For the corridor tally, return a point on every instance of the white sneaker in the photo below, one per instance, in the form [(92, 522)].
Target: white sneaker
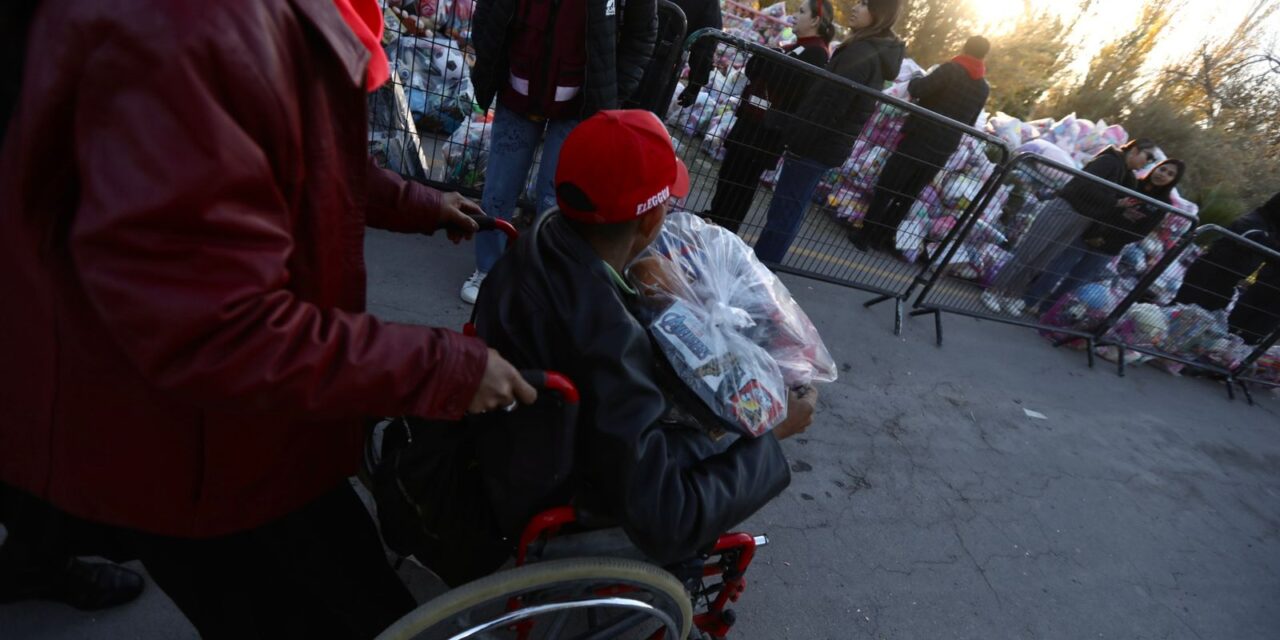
[(1015, 307), (993, 302), (471, 288)]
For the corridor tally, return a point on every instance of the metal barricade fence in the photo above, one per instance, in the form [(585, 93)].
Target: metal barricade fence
[(1070, 250), (731, 139), (1221, 320)]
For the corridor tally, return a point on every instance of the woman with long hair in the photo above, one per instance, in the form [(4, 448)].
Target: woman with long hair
[(1102, 241), (774, 92), (822, 135)]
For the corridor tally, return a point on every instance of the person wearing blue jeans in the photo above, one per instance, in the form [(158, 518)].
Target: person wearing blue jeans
[(830, 118), (548, 65), (797, 182), (515, 138), (1078, 264)]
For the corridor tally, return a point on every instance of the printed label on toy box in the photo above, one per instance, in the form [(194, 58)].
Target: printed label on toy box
[(755, 408)]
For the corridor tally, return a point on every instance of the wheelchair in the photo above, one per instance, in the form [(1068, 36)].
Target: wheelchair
[(575, 576)]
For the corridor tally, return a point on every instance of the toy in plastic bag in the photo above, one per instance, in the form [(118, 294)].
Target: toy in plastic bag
[(466, 154), (727, 325)]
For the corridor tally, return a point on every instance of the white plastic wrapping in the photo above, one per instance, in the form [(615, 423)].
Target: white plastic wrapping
[(727, 325)]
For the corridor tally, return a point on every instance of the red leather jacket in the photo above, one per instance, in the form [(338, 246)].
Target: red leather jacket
[(183, 192)]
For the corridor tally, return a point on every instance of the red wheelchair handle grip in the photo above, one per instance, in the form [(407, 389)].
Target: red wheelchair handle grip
[(487, 223), (553, 381)]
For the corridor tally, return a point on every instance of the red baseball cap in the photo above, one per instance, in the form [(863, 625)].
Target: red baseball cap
[(617, 165)]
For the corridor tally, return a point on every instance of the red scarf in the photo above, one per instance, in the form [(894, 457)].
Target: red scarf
[(977, 69), (364, 18)]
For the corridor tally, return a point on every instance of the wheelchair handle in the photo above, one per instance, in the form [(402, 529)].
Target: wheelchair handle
[(489, 223), (552, 381)]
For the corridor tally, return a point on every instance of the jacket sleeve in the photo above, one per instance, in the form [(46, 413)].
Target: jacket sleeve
[(929, 86), (396, 204), (489, 40), (672, 502), (702, 57), (181, 240), (829, 103), (635, 44)]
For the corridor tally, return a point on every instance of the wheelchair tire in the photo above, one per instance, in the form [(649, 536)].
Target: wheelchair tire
[(668, 594)]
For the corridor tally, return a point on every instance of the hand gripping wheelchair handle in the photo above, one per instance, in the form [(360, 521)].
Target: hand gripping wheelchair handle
[(555, 382), (487, 223)]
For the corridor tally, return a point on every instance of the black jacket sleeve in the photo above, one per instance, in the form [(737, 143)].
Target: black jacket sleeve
[(1097, 201), (488, 35), (635, 44), (931, 85), (702, 56), (671, 499)]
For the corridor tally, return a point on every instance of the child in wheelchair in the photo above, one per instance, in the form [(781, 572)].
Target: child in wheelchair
[(640, 451)]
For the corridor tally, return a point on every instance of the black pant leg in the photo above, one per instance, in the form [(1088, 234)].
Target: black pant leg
[(749, 151), (896, 189), (317, 572)]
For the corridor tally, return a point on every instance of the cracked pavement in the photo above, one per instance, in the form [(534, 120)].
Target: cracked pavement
[(925, 503)]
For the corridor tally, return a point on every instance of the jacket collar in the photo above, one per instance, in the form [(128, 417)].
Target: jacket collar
[(977, 69), (351, 53)]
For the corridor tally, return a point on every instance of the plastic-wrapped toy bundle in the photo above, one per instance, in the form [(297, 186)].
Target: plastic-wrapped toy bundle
[(1193, 331), (1083, 308), (1267, 368), (436, 80), (467, 151), (717, 131), (727, 325)]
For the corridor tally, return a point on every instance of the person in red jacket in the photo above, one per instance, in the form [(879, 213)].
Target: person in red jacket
[(183, 191)]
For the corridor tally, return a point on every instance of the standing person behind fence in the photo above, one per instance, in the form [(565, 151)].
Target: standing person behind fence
[(533, 56), (1211, 280), (1064, 219), (774, 92), (821, 135), (958, 90), (659, 80), (1089, 255)]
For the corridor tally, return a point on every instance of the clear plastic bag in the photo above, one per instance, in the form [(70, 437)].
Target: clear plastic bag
[(726, 323)]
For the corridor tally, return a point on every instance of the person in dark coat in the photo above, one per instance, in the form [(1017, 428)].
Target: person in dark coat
[(659, 80), (774, 92), (563, 304), (1211, 280), (548, 64), (821, 135), (1102, 241), (958, 90)]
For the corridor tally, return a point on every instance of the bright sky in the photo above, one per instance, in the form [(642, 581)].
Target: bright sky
[(1110, 18)]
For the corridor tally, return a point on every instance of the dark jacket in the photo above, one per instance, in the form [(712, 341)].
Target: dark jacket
[(661, 75), (551, 303), (1099, 201), (775, 89), (950, 91), (831, 117), (1211, 280), (1130, 224), (186, 352), (620, 37)]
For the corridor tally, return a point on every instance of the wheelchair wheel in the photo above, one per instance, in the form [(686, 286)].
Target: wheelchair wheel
[(573, 598)]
